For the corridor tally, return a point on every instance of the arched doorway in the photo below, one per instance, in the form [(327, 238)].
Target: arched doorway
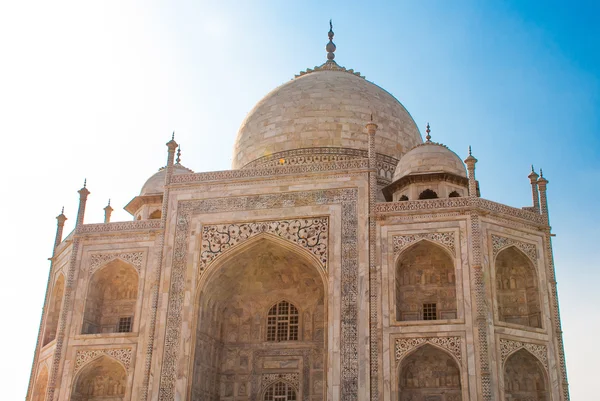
[(517, 289), (111, 299), (425, 284), (261, 315), (103, 379), (41, 384), (429, 374), (54, 309), (524, 378)]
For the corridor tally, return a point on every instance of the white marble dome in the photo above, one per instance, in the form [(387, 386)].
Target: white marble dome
[(324, 109), (156, 183), (430, 157)]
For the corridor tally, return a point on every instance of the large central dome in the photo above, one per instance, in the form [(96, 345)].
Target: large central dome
[(324, 111)]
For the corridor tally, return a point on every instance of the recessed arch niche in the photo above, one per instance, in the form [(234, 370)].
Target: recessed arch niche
[(103, 379), (425, 283), (517, 289), (56, 298), (232, 351), (111, 299), (429, 373), (524, 378)]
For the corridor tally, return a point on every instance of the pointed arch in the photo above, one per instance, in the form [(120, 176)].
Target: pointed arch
[(415, 378), (111, 298), (58, 291), (428, 194), (101, 378), (41, 384), (425, 282), (517, 288), (525, 377), (236, 292), (155, 215)]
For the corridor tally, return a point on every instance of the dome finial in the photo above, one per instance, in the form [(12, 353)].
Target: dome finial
[(330, 46), (178, 160), (428, 130), (471, 154)]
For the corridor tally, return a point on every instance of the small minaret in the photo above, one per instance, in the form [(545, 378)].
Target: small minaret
[(60, 225), (83, 194), (533, 178), (470, 162), (107, 212), (542, 182)]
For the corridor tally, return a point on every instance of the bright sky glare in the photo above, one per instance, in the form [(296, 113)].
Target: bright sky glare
[(94, 89)]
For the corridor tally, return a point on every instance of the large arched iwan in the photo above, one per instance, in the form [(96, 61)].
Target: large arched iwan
[(235, 311)]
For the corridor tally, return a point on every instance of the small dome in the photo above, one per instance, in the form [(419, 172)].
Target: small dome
[(430, 157), (156, 183), (325, 109)]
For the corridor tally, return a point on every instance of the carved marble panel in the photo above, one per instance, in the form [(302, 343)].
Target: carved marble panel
[(452, 344), (508, 347), (310, 233), (121, 354), (98, 260), (499, 243), (446, 239)]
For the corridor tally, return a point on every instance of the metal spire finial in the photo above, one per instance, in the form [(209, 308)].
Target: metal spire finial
[(470, 154), (330, 46), (108, 201), (428, 130), (541, 173), (85, 182), (173, 136), (532, 170), (178, 160), (63, 210)]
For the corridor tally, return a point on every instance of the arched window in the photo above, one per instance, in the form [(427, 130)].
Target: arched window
[(280, 391), (429, 374), (403, 198), (54, 310), (282, 322), (524, 378), (103, 379), (517, 289), (428, 194), (155, 215), (454, 194), (425, 284), (111, 299)]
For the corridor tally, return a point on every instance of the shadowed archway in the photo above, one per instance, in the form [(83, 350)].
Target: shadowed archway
[(261, 314)]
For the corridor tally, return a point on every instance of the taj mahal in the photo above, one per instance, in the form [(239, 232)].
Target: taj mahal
[(343, 257)]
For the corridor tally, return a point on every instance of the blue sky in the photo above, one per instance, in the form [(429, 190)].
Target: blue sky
[(93, 90)]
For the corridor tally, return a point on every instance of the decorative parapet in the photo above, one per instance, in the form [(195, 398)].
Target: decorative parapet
[(446, 239), (122, 355), (100, 259), (137, 225), (310, 233), (464, 202), (451, 344), (509, 347), (499, 243), (269, 171)]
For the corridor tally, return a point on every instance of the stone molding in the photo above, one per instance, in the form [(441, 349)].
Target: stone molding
[(445, 203), (98, 260), (122, 355), (329, 65), (499, 243), (270, 378), (270, 171), (347, 198), (451, 344), (445, 239), (135, 225), (509, 347), (311, 234)]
